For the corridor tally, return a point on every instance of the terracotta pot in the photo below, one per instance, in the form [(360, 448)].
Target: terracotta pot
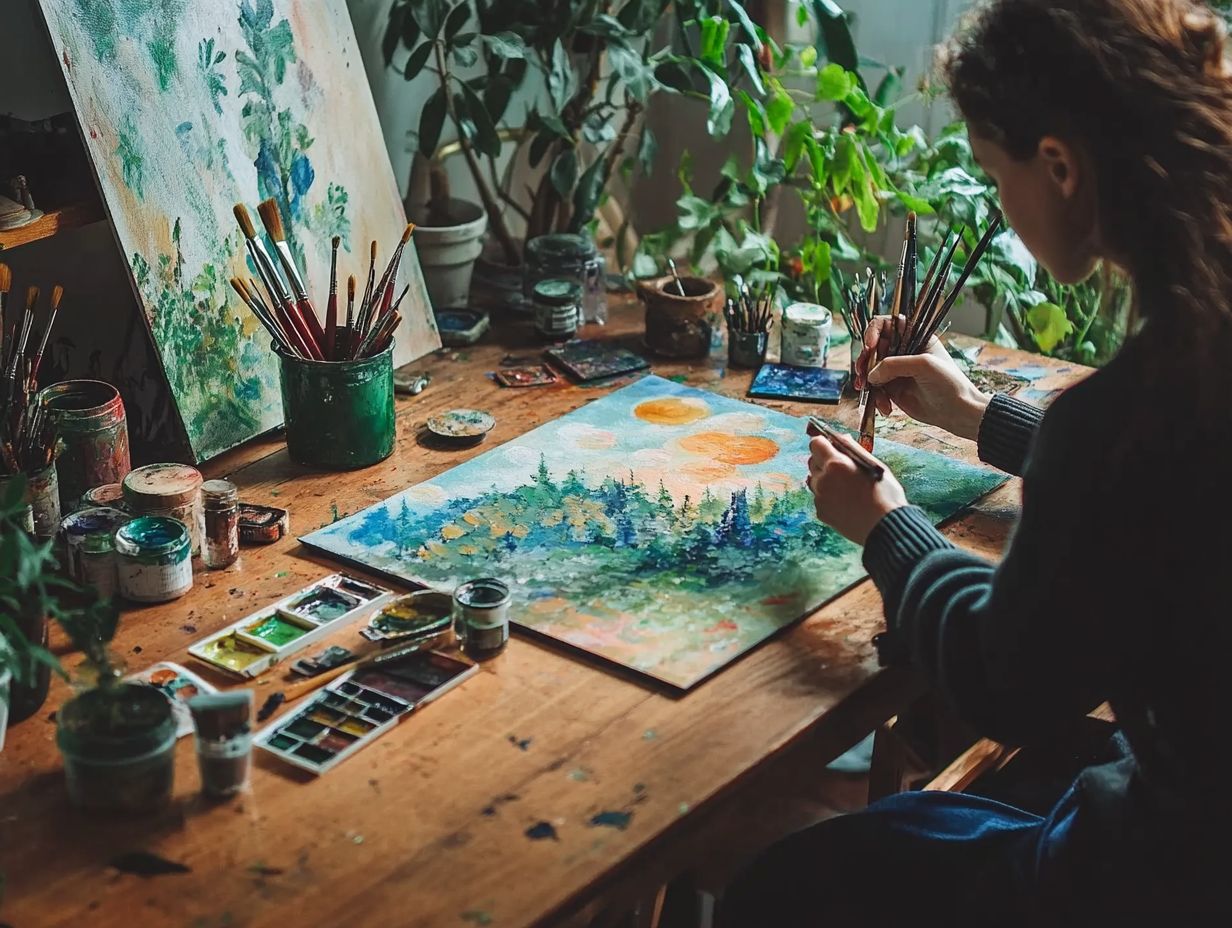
[(681, 326)]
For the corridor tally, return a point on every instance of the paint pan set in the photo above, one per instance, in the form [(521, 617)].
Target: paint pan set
[(257, 642), (357, 708)]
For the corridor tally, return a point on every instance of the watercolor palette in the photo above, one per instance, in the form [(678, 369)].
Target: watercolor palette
[(592, 359), (809, 384), (422, 614), (359, 707), (258, 641), (178, 684)]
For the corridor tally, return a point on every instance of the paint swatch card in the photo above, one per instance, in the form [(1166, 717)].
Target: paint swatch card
[(359, 707), (591, 359), (807, 384), (536, 375), (178, 684)]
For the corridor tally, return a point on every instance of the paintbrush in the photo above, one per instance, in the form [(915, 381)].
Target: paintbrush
[(280, 297), (861, 458), (671, 265), (331, 308), (382, 656), (368, 347), (367, 289), (350, 317), (6, 283), (271, 218), (57, 294), (259, 310), (368, 314), (14, 374), (391, 273), (868, 401)]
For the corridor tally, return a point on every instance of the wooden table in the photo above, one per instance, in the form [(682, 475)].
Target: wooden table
[(428, 826)]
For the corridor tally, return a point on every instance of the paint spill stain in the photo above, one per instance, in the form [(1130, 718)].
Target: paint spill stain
[(188, 629), (579, 775), (520, 743), (639, 788), (541, 831), (281, 574), (649, 734), (275, 492), (333, 512), (682, 809), (259, 869), (488, 811), (143, 863), (610, 819), (477, 917)]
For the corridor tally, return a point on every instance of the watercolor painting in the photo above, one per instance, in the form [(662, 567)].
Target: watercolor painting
[(808, 384), (592, 359), (661, 527), (189, 108)]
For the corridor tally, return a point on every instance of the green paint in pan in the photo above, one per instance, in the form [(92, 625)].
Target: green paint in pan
[(276, 630)]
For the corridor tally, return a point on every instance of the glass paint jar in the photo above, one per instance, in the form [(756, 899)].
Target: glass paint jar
[(109, 495), (806, 335), (82, 525), (93, 430), (153, 559), (221, 546), (557, 305), (481, 617), (172, 491), (44, 493), (567, 257)]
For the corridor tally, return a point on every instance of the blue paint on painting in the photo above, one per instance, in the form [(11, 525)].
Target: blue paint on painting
[(810, 384)]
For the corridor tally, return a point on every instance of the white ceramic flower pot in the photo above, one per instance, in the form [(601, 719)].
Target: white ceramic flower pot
[(447, 254)]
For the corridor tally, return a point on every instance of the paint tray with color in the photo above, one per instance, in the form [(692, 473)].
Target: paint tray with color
[(807, 384), (593, 359), (178, 684), (357, 708), (258, 641)]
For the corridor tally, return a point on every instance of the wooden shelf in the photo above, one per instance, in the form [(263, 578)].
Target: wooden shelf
[(53, 222)]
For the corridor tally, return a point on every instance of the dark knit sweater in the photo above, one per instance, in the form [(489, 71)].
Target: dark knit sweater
[(1114, 587)]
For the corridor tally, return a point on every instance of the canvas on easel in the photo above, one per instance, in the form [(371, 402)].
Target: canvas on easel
[(188, 108)]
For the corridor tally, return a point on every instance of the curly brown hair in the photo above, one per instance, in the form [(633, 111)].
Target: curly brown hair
[(1143, 87)]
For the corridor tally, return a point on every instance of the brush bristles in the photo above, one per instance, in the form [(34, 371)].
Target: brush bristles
[(271, 219), (57, 294), (336, 241), (374, 249), (406, 236), (6, 278), (245, 221), (32, 296), (238, 286), (351, 287)]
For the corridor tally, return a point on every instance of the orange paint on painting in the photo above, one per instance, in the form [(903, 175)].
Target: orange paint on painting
[(671, 411), (783, 599), (707, 471), (727, 625), (731, 449)]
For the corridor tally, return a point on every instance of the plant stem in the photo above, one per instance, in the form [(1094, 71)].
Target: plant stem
[(496, 218)]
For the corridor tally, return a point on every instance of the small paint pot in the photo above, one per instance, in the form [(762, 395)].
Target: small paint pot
[(153, 559), (684, 325), (747, 349), (805, 335), (172, 491), (558, 307), (109, 495), (462, 426), (339, 414), (481, 617), (262, 525), (81, 526), (221, 545), (93, 434)]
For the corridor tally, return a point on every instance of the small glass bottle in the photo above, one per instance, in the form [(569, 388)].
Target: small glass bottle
[(481, 617), (568, 257), (557, 308), (221, 545)]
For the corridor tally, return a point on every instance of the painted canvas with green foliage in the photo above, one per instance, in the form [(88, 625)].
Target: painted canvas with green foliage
[(189, 108), (662, 527)]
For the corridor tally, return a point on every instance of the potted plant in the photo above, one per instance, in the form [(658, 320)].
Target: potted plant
[(117, 738), (586, 71), (29, 593)]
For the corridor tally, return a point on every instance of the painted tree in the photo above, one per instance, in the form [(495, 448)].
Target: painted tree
[(404, 530)]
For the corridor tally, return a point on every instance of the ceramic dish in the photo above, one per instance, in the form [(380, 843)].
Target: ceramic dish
[(461, 423)]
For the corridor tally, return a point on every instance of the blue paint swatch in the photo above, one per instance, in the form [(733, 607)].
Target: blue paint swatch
[(809, 384)]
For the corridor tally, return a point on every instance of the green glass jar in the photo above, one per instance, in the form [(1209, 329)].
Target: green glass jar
[(568, 257), (557, 308)]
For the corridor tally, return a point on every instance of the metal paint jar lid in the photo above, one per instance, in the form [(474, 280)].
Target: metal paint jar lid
[(557, 292), (219, 495), (162, 486)]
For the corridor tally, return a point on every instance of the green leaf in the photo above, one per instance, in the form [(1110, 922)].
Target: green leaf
[(431, 121), (1049, 325), (779, 107), (606, 27), (586, 196), (637, 76), (889, 87), (647, 149), (598, 129), (465, 56), (561, 79), (748, 61), (393, 33), (755, 112), (808, 57), (834, 83), (695, 213), (802, 15), (921, 206), (714, 41), (844, 164), (486, 140), (418, 58), (539, 147), (794, 141), (456, 20), (429, 15), (505, 45), (834, 39), (752, 33), (564, 173), (818, 260), (722, 107), (496, 96)]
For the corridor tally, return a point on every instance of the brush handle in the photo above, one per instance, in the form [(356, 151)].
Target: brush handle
[(309, 314), (331, 327), (289, 317)]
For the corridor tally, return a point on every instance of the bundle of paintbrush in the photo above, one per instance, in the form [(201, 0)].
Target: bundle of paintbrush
[(862, 304), (287, 312), (917, 315), (27, 434), (750, 313)]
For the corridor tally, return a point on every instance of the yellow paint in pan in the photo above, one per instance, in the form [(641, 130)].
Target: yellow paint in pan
[(228, 651)]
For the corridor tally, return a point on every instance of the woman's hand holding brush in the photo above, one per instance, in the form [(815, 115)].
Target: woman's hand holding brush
[(929, 386)]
